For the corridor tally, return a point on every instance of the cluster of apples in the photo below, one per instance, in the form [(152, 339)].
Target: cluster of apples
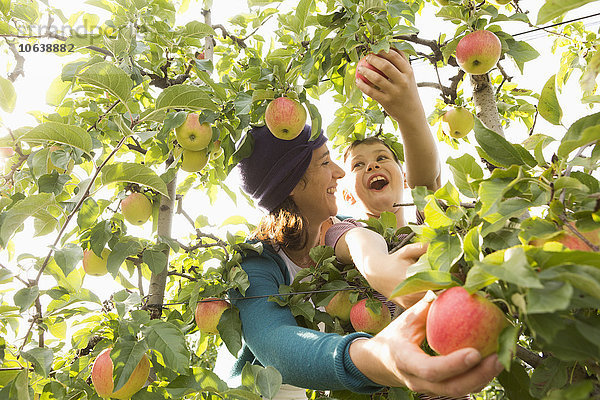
[(361, 317), (195, 139)]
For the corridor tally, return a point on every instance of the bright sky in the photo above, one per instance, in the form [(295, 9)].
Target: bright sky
[(42, 68)]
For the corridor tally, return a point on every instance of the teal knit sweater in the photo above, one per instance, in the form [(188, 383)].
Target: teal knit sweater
[(305, 358)]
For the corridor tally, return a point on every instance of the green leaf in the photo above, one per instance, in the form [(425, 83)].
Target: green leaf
[(57, 91), (25, 297), (444, 251), (68, 257), (41, 358), (135, 173), (125, 355), (230, 330), (515, 382), (70, 135), (555, 296), (577, 391), (202, 380), (435, 217), (557, 8), (197, 30), (521, 52), (8, 95), (465, 171), (582, 277), (107, 76), (155, 259), (515, 269), (583, 131), (551, 373), (507, 345), (500, 151), (316, 120), (548, 105), (119, 254), (17, 214), (186, 97), (425, 280), (477, 279), (268, 381), (169, 341)]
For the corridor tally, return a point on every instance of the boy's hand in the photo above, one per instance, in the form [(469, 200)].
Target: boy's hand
[(398, 92)]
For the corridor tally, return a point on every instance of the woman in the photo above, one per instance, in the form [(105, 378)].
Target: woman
[(295, 182)]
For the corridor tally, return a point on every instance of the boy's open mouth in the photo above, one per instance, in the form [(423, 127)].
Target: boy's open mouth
[(378, 182)]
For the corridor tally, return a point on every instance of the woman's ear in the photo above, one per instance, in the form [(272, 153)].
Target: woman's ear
[(348, 197)]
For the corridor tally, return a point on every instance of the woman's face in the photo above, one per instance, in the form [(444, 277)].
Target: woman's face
[(315, 193), (378, 179)]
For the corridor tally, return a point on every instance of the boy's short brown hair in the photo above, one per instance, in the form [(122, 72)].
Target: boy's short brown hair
[(370, 140)]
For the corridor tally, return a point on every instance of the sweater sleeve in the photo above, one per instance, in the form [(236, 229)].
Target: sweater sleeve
[(305, 358), (335, 232)]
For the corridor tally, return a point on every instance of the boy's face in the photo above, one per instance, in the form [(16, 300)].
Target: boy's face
[(378, 178)]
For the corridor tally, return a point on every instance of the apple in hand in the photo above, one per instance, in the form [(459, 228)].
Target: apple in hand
[(285, 118), (193, 161), (192, 135), (362, 63), (457, 122), (102, 377), (458, 319), (363, 319), (340, 306), (478, 52), (94, 265), (136, 209), (208, 313)]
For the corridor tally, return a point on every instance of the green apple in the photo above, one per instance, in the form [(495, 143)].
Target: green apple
[(102, 377), (478, 52), (364, 319), (94, 265), (136, 208), (208, 313), (362, 63), (192, 135), (458, 319), (457, 122), (340, 306), (285, 118), (193, 161)]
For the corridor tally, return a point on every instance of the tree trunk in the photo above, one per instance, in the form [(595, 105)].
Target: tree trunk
[(158, 282), (485, 103)]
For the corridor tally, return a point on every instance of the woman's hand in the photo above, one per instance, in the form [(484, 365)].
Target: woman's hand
[(394, 358)]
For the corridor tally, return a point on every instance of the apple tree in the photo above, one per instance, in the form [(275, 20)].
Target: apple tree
[(517, 220)]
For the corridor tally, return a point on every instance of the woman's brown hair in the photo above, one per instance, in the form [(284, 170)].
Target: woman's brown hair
[(284, 226)]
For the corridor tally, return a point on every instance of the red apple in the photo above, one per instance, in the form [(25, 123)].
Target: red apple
[(285, 118), (199, 55), (571, 241), (192, 135), (457, 122), (362, 63), (340, 306), (458, 319), (364, 319), (102, 377), (6, 152), (478, 52), (208, 313), (136, 208)]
